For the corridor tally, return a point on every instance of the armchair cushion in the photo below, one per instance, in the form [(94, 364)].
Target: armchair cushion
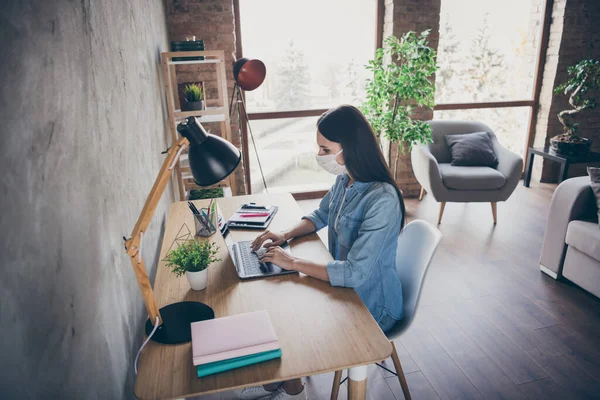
[(471, 178), (472, 149), (585, 237)]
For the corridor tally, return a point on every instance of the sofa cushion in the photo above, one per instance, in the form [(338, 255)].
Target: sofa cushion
[(594, 174), (471, 178), (585, 237)]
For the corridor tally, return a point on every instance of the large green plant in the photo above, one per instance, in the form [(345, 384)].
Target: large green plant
[(582, 88), (192, 256), (403, 73)]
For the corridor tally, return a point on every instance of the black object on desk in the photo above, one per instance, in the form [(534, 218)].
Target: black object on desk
[(564, 160)]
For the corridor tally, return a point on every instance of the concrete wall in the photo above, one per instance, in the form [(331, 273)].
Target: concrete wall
[(82, 128)]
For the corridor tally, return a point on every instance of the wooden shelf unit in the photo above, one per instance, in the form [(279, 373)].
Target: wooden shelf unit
[(217, 113)]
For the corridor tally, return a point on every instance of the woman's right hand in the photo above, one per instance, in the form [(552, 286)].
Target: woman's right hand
[(277, 239)]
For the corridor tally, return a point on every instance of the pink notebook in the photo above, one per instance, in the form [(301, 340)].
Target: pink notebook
[(230, 337)]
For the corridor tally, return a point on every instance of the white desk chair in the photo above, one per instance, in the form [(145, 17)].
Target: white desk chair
[(416, 246)]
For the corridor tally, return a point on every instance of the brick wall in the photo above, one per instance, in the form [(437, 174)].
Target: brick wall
[(213, 22), (574, 35), (402, 16)]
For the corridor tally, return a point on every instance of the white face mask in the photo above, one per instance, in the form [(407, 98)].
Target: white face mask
[(329, 164)]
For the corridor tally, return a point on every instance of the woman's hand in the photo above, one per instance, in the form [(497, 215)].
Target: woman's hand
[(276, 238), (279, 257)]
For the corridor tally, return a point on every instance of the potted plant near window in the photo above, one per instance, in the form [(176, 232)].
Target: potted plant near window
[(582, 88), (403, 73), (194, 97), (193, 259)]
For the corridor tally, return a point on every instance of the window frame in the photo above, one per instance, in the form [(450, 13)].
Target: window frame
[(533, 102)]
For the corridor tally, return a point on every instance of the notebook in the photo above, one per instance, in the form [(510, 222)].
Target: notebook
[(231, 342), (244, 218)]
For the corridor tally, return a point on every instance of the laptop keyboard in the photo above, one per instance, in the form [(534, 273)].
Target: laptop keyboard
[(250, 263)]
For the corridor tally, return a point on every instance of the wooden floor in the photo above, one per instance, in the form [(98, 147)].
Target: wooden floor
[(490, 324)]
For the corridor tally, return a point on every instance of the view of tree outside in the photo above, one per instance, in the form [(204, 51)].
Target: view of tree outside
[(487, 52), (315, 52)]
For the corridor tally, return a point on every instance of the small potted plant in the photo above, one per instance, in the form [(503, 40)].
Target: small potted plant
[(193, 259), (194, 97), (583, 86)]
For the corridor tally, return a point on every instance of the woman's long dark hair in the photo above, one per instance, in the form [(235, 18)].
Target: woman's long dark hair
[(347, 126)]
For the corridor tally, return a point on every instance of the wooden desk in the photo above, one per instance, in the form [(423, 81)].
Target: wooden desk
[(321, 328)]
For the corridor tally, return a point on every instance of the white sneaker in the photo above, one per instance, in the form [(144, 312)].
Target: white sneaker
[(281, 394), (252, 392)]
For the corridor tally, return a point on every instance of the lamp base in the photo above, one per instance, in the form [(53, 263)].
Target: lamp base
[(177, 318)]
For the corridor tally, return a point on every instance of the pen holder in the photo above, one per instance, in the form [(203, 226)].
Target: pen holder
[(205, 226)]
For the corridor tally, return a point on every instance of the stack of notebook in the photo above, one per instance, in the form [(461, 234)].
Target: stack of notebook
[(232, 342)]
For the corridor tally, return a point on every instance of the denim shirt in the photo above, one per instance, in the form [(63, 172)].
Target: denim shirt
[(364, 223)]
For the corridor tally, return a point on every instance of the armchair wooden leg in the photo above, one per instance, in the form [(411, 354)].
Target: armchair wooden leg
[(400, 373), (337, 378), (442, 206), (494, 214), (422, 193)]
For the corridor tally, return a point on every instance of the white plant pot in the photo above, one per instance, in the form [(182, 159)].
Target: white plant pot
[(197, 279)]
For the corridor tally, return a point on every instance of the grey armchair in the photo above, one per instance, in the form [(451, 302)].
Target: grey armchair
[(447, 183)]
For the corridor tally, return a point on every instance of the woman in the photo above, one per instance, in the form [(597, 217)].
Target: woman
[(365, 213)]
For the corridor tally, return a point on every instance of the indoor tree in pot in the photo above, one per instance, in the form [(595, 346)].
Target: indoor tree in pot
[(582, 88), (403, 73), (193, 258), (194, 96)]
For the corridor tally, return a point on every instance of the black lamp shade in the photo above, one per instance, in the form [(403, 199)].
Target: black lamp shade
[(211, 157)]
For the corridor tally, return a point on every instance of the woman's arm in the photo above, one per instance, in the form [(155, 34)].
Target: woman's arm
[(382, 219), (280, 257), (309, 224), (304, 227)]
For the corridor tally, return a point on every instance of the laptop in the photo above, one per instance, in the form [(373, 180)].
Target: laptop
[(248, 264)]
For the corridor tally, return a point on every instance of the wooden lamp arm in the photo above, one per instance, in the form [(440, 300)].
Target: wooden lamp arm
[(134, 243)]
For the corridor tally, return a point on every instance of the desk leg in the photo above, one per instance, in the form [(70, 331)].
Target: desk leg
[(357, 383), (564, 171), (527, 179)]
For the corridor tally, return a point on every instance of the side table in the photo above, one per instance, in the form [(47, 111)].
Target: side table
[(564, 160)]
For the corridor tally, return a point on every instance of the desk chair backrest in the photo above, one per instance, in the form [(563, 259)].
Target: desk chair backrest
[(416, 246)]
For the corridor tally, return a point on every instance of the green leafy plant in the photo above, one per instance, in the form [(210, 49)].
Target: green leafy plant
[(192, 256), (193, 92), (582, 88), (199, 194), (402, 79)]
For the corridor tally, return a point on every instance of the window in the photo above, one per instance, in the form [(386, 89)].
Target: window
[(488, 54), (314, 51), (287, 148), (487, 50)]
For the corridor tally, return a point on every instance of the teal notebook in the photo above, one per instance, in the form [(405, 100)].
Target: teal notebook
[(238, 362)]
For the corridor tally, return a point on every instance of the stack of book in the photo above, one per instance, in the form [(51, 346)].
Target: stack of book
[(190, 45), (232, 342)]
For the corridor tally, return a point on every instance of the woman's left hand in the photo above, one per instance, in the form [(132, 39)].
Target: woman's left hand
[(279, 257)]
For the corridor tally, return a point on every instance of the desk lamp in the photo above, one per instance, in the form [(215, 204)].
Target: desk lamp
[(211, 160)]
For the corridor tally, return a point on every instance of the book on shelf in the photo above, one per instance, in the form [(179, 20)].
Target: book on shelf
[(192, 45)]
